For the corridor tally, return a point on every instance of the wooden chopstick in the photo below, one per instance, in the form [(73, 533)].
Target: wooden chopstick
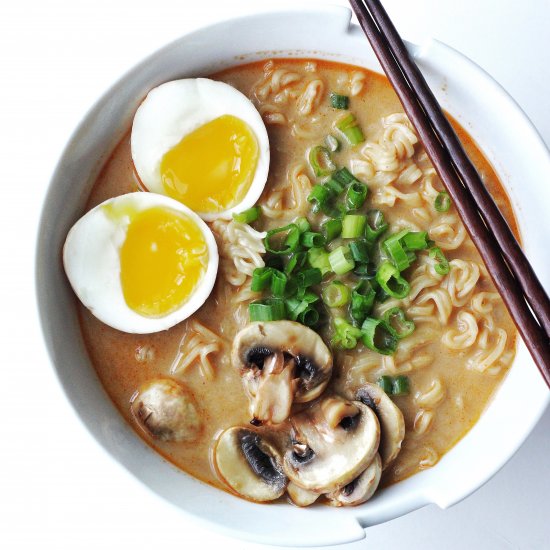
[(515, 280)]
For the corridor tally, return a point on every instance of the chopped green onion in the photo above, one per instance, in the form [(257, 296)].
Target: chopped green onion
[(296, 261), (339, 101), (365, 270), (346, 335), (391, 282), (248, 216), (442, 265), (289, 235), (332, 142), (397, 323), (386, 383), (331, 229), (400, 386), (261, 278), (308, 277), (309, 317), (310, 239), (270, 309), (278, 283), (344, 176), (319, 258), (356, 195), (334, 185), (442, 202), (320, 161), (376, 225), (377, 337), (362, 301), (336, 294), (416, 240), (340, 260), (295, 306), (349, 128), (359, 251), (395, 250), (320, 196), (302, 224), (353, 225)]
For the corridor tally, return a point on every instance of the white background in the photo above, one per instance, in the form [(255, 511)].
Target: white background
[(58, 489)]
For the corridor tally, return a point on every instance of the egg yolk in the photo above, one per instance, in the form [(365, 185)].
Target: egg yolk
[(162, 260), (212, 168)]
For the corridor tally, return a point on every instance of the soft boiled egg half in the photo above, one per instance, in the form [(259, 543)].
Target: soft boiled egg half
[(141, 262), (203, 143)]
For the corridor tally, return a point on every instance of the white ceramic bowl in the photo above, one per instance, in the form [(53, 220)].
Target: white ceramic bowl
[(483, 108)]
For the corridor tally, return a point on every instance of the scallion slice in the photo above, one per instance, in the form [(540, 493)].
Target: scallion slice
[(308, 277), (345, 334), (396, 252), (336, 294), (377, 337), (350, 129), (356, 195), (318, 257), (296, 261), (400, 386), (309, 317), (376, 225), (442, 202), (270, 309), (302, 224), (331, 229), (344, 176), (416, 240), (362, 301), (397, 323), (359, 251), (248, 216), (353, 225), (278, 283), (320, 197), (261, 279), (391, 282), (310, 239), (334, 186), (320, 161), (338, 101), (340, 260), (386, 383), (441, 263), (288, 237)]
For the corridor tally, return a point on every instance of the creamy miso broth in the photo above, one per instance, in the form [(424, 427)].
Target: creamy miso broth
[(463, 342)]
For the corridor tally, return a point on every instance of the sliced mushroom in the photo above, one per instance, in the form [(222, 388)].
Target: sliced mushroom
[(281, 362), (166, 410), (392, 423), (301, 497), (249, 464), (332, 443), (361, 488)]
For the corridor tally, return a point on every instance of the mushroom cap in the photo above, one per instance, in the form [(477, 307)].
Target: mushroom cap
[(392, 423), (166, 410), (312, 357), (249, 464), (361, 488), (333, 442), (301, 497)]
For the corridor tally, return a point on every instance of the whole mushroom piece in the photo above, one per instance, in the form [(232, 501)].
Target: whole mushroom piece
[(249, 464), (280, 362), (332, 442), (392, 423), (166, 410)]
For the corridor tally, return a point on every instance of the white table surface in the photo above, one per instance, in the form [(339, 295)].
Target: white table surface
[(58, 488)]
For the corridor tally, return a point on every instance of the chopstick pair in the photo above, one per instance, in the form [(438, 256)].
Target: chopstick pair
[(510, 270)]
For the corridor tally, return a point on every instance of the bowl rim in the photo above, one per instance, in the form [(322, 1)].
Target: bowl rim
[(416, 499)]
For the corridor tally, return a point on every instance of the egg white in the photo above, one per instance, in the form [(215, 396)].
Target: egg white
[(177, 108), (91, 257)]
